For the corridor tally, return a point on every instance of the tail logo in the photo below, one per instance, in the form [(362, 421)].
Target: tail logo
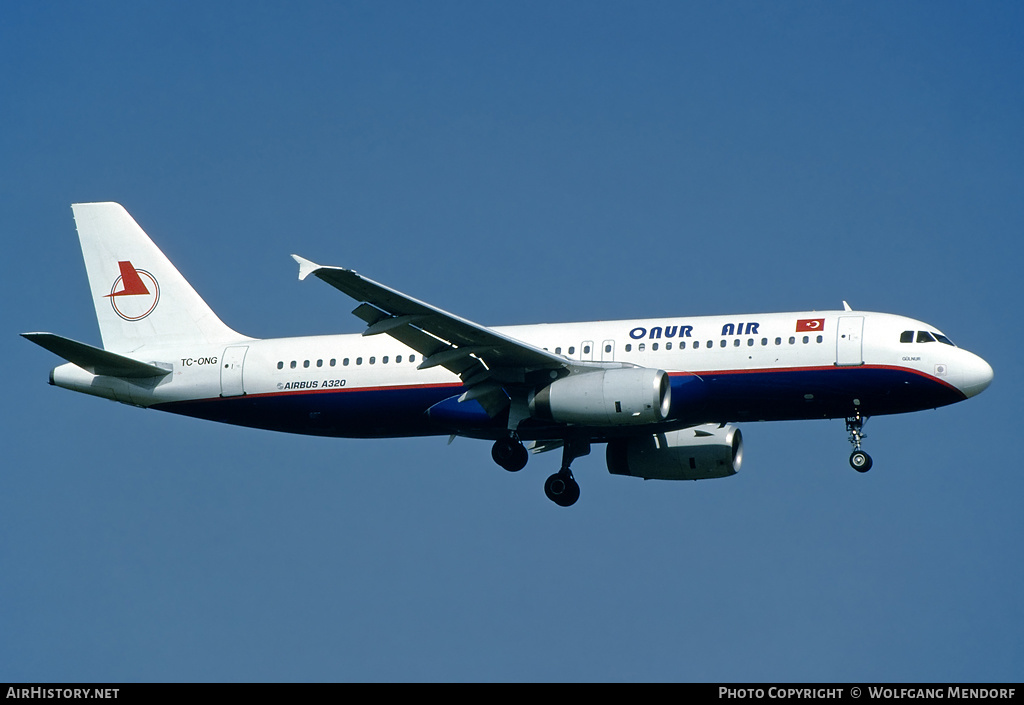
[(134, 294)]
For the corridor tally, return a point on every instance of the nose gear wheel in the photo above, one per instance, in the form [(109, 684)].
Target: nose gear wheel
[(859, 460)]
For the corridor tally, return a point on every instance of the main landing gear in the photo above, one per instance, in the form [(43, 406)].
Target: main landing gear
[(859, 460), (561, 488), (510, 453)]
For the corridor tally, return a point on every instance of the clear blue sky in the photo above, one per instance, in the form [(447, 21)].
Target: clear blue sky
[(514, 162)]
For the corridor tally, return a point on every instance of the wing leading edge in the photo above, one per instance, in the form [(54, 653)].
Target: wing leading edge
[(489, 363)]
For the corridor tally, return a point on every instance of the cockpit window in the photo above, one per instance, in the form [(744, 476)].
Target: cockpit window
[(923, 336)]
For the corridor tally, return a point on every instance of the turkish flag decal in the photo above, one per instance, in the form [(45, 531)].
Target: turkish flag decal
[(805, 324)]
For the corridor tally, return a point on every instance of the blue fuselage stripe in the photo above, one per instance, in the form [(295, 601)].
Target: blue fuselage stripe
[(707, 397)]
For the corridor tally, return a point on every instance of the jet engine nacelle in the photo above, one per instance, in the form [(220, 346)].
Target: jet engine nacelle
[(698, 453), (616, 397)]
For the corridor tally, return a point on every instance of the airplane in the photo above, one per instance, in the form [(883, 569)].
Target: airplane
[(663, 394)]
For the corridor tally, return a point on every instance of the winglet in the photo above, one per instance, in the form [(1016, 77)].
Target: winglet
[(305, 266)]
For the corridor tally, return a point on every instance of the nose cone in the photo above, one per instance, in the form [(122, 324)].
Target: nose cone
[(977, 375)]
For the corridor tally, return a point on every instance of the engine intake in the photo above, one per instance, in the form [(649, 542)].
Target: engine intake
[(617, 397), (699, 453)]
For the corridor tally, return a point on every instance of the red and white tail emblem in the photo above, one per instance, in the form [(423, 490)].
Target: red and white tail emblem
[(812, 324), (134, 294)]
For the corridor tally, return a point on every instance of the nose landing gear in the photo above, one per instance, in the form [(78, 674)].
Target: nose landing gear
[(859, 460)]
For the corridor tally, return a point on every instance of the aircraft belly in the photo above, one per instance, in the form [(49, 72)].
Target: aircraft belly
[(352, 413), (827, 392)]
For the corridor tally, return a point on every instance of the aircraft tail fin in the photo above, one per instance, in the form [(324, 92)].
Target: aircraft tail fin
[(140, 297)]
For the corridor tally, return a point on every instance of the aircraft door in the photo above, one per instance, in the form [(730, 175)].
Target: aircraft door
[(608, 351), (587, 350), (231, 384), (849, 341)]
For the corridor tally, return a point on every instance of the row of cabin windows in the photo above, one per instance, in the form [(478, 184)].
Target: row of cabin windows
[(724, 343), (923, 336), (333, 362), (641, 347)]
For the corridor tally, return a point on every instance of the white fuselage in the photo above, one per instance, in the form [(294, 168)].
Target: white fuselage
[(760, 361)]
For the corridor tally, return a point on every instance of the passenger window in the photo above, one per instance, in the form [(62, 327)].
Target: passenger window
[(654, 346), (924, 336), (806, 340), (736, 343), (792, 340), (764, 341), (907, 336), (586, 349), (821, 339), (373, 360), (280, 365), (750, 342), (398, 359), (333, 362), (668, 346), (558, 351), (359, 360), (345, 362), (384, 360), (607, 348), (293, 364), (629, 347), (696, 344), (778, 341), (572, 349), (412, 358), (641, 347), (320, 363), (305, 363), (722, 345)]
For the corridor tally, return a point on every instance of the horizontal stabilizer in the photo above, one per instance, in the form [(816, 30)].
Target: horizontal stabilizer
[(96, 360)]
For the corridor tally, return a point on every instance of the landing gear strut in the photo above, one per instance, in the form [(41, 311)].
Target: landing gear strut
[(562, 488), (859, 460), (510, 453)]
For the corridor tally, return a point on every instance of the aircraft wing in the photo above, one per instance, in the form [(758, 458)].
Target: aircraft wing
[(479, 355)]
